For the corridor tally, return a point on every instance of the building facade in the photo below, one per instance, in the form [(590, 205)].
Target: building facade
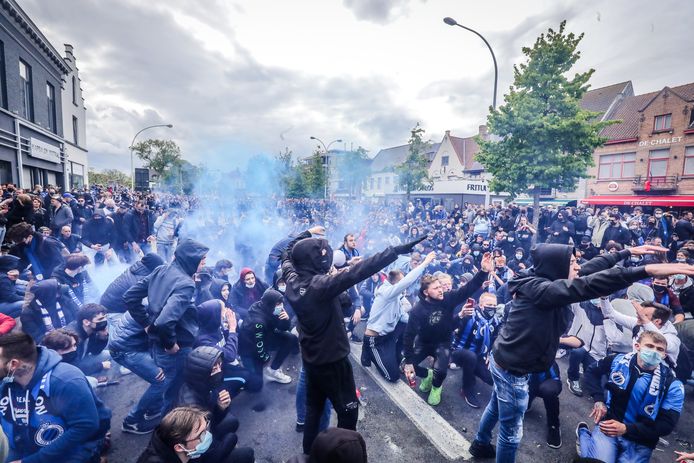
[(648, 159), (74, 124), (32, 81)]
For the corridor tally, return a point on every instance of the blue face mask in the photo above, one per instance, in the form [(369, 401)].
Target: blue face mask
[(202, 447), (650, 358), (278, 310)]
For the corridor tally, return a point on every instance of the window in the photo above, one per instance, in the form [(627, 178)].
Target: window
[(74, 90), (689, 160), (371, 183), (387, 181), (619, 165), (3, 81), (444, 161), (75, 130), (657, 162), (25, 94), (378, 183), (50, 98), (663, 122), (76, 175)]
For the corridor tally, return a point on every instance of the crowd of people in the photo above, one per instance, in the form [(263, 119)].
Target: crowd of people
[(205, 298)]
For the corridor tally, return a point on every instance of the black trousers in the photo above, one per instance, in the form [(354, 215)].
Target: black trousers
[(548, 391), (385, 352), (334, 381), (472, 366), (442, 356)]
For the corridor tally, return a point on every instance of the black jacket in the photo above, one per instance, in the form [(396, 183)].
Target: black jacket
[(49, 293), (112, 298), (99, 231), (170, 314), (132, 225), (47, 251), (618, 234), (87, 349), (529, 339), (260, 324), (314, 295)]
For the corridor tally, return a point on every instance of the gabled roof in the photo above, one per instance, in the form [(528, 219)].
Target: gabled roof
[(388, 158), (466, 149), (600, 99)]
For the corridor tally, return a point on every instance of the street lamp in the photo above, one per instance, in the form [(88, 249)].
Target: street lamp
[(453, 22), (132, 143), (325, 164)]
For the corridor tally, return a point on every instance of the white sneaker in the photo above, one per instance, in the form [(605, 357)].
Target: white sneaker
[(453, 366), (560, 353), (276, 375)]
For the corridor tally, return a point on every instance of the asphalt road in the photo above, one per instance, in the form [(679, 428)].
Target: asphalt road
[(389, 434)]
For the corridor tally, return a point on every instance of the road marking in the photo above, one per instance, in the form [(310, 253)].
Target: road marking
[(447, 440)]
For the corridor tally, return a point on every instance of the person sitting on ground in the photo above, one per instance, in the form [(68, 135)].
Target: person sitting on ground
[(267, 329), (112, 298), (71, 241), (218, 328), (641, 403), (52, 412), (92, 329), (42, 253), (73, 275), (11, 293), (49, 306), (429, 329), (477, 330), (245, 292), (203, 387)]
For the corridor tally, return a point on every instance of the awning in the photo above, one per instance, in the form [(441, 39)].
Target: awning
[(666, 201)]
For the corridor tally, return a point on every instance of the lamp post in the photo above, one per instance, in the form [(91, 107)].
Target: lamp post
[(453, 22), (325, 164), (132, 143)]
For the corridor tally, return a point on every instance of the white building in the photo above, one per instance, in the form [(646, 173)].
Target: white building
[(74, 124)]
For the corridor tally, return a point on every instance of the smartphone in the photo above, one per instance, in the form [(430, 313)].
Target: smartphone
[(470, 301)]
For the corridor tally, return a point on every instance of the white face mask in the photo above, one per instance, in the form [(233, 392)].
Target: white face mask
[(519, 256), (281, 288), (249, 286)]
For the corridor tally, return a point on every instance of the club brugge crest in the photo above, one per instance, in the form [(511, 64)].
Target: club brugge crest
[(302, 291), (649, 409), (47, 433), (618, 378)]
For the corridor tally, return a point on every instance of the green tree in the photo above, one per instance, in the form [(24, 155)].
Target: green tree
[(353, 168), (313, 175), (108, 177), (413, 173), (160, 156), (542, 137)]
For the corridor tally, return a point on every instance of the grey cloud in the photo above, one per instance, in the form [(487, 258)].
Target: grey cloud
[(378, 11)]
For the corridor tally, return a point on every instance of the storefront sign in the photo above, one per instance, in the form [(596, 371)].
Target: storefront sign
[(613, 186), (660, 141), (476, 187), (42, 150)]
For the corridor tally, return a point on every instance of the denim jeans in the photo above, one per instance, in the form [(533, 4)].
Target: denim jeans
[(507, 405), (576, 358), (142, 364), (301, 404), (172, 364), (11, 309), (611, 449)]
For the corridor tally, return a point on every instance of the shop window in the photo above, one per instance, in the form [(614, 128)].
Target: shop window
[(620, 165), (657, 162), (25, 93), (50, 98), (662, 122), (689, 160)]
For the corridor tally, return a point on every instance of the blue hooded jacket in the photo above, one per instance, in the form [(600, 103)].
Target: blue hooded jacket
[(66, 421)]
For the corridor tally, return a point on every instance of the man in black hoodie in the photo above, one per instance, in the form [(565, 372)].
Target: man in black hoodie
[(170, 318), (314, 295), (540, 314)]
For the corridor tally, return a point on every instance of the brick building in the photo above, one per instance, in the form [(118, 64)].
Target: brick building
[(648, 159)]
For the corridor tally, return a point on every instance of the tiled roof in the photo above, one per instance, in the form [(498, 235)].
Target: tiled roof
[(465, 149), (600, 99), (390, 157)]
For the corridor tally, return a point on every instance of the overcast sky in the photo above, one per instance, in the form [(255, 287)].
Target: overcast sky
[(238, 78)]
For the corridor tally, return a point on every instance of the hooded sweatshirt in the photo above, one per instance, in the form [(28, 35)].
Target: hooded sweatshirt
[(314, 295), (335, 445), (170, 314), (112, 298), (63, 413), (260, 324), (212, 332), (540, 314)]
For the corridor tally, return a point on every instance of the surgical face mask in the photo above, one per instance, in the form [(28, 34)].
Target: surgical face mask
[(489, 311), (595, 302), (635, 258), (510, 239), (278, 310), (100, 326), (476, 253), (659, 288), (681, 259), (202, 447), (7, 376), (519, 256), (250, 285), (650, 358), (281, 288)]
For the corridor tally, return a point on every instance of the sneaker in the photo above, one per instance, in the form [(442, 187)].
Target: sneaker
[(480, 450), (554, 437), (365, 357), (299, 427), (453, 366), (470, 398), (152, 416), (581, 426), (575, 387), (124, 371), (134, 427), (560, 353), (435, 396), (426, 383), (276, 375)]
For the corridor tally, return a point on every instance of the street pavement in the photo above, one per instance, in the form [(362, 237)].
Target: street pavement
[(267, 421)]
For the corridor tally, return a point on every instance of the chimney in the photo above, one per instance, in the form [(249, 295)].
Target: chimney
[(483, 131), (448, 133), (68, 49)]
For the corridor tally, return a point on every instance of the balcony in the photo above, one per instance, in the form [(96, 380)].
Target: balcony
[(656, 185)]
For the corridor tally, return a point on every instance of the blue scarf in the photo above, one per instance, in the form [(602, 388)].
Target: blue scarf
[(652, 399), (36, 267), (483, 333)]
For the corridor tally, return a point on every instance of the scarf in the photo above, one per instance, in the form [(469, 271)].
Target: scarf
[(652, 399), (479, 333), (47, 318), (36, 267)]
